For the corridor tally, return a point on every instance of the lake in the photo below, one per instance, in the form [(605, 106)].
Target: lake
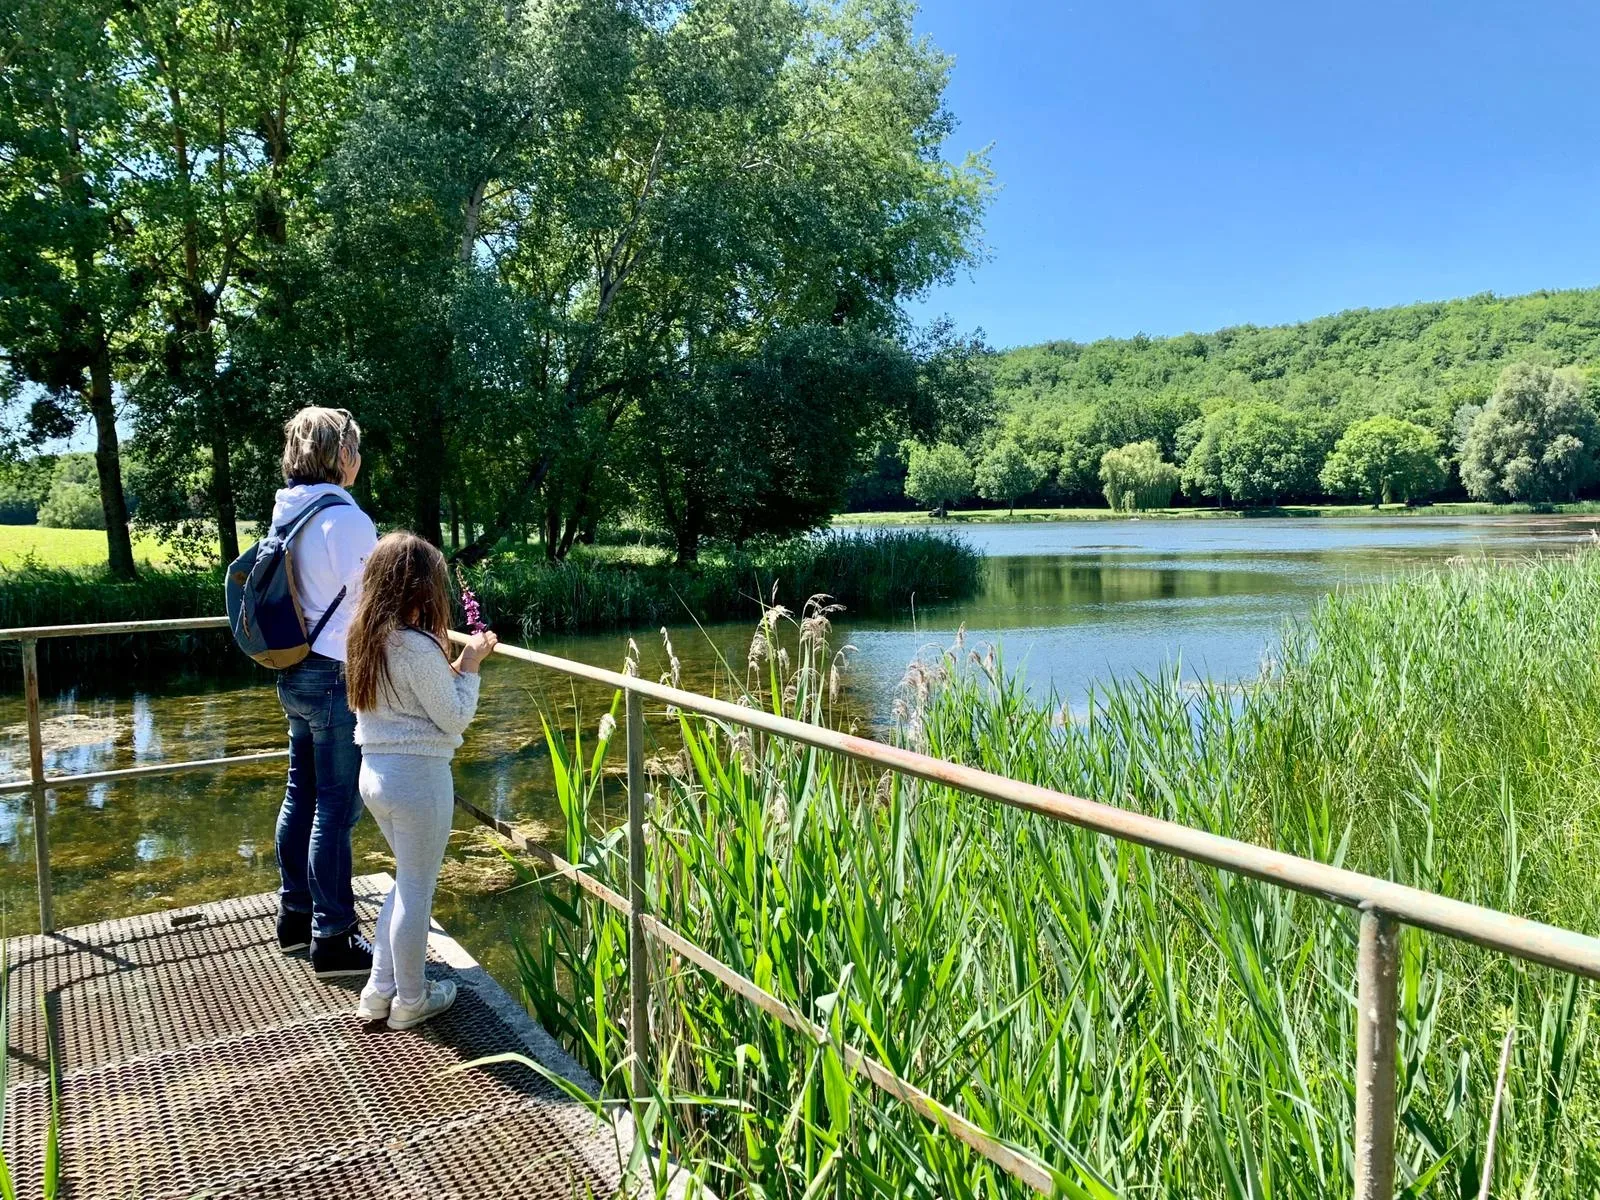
[(1069, 603)]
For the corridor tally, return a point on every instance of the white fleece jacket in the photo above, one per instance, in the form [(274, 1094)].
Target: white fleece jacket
[(329, 554), (427, 707)]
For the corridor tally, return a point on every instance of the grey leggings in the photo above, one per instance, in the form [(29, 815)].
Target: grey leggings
[(411, 797)]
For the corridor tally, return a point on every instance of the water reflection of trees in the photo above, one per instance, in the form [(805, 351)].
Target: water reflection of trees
[(1031, 583)]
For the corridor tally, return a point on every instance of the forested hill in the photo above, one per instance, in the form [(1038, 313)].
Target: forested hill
[(1252, 415), (1411, 358)]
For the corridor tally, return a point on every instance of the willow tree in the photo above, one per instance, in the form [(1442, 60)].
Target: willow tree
[(1137, 478), (1536, 440)]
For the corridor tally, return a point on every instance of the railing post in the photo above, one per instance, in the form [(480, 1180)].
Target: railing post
[(638, 954), (41, 806), (1377, 970)]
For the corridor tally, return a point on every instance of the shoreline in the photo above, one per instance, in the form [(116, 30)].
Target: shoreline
[(1303, 512)]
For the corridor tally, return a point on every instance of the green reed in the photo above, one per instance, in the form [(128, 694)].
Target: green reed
[(39, 595), (1144, 1026), (879, 572), (883, 572)]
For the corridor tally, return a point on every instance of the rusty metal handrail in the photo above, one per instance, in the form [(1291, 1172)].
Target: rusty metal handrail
[(32, 633), (1384, 905), (39, 783), (1576, 953)]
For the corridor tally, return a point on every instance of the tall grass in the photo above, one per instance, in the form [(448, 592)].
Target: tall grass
[(881, 572), (40, 595), (1143, 1026)]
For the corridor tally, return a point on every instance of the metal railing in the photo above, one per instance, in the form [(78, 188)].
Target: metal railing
[(38, 783), (1384, 906)]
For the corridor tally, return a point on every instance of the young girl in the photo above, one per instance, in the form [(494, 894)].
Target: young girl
[(411, 704)]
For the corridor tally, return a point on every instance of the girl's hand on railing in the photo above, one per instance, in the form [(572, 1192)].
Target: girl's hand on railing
[(475, 651)]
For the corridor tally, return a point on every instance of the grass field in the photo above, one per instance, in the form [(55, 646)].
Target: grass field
[(66, 547), (991, 516)]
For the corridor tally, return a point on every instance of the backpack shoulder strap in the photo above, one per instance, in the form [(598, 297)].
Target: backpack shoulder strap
[(287, 532), (322, 621)]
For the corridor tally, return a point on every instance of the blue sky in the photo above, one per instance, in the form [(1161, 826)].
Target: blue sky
[(1168, 167)]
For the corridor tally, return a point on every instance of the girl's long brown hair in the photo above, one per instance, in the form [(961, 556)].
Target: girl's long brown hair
[(405, 586)]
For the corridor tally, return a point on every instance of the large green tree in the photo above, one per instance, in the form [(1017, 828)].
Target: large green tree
[(155, 151), (510, 237), (1384, 459), (1005, 472), (753, 446), (1535, 440), (1251, 454), (234, 105), (739, 170), (68, 294), (938, 475)]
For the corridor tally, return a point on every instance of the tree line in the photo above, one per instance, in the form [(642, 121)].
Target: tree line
[(562, 259), (1488, 398)]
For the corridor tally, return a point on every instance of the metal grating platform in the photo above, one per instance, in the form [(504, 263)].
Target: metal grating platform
[(195, 1060)]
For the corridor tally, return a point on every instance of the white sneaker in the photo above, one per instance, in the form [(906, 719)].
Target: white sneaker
[(441, 994), (374, 1004)]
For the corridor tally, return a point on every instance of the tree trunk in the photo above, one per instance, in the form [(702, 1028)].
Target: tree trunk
[(222, 496), (686, 533), (427, 514), (107, 451), (687, 539), (552, 527), (580, 519), (455, 526), (108, 463)]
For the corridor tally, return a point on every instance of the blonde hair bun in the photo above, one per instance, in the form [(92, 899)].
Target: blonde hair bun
[(314, 442)]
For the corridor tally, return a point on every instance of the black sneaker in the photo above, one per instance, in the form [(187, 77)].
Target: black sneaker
[(294, 930), (347, 954)]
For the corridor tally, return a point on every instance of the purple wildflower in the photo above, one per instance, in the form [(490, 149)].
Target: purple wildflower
[(469, 605)]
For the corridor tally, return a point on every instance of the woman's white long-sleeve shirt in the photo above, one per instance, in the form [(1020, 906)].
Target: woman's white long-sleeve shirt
[(427, 705)]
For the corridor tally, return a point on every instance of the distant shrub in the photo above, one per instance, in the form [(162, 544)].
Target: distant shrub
[(17, 508), (881, 572), (24, 484), (72, 506), (74, 498)]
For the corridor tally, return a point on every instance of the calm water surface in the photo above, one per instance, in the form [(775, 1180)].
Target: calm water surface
[(1069, 603)]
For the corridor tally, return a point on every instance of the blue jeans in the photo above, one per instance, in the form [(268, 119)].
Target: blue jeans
[(322, 803)]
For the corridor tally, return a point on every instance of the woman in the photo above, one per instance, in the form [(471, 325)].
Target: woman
[(321, 458), (412, 705)]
